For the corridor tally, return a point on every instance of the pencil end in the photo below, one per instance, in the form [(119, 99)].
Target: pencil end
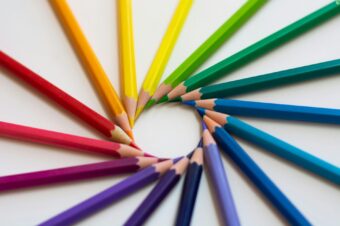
[(163, 99), (191, 103), (200, 111), (150, 103), (177, 99)]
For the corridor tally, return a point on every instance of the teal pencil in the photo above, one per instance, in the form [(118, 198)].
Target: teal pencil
[(265, 81), (255, 50)]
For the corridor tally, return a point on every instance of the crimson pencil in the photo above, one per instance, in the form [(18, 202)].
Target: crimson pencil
[(110, 195), (38, 178), (63, 99), (67, 140)]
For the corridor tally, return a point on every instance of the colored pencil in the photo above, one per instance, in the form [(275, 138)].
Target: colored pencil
[(207, 48), (127, 58), (219, 179), (158, 193), (163, 54), (255, 50), (46, 177), (190, 188), (68, 141), (66, 101), (276, 146), (91, 63), (265, 81), (255, 174), (110, 195), (270, 110)]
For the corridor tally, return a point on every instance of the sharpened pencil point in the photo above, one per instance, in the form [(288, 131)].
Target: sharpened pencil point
[(201, 111), (204, 127), (150, 103), (138, 112), (190, 103), (177, 99), (163, 100)]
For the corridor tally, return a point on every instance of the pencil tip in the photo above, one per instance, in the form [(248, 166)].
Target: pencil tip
[(129, 132), (150, 103), (163, 99), (201, 111), (176, 99), (190, 103), (139, 111), (132, 123), (204, 127)]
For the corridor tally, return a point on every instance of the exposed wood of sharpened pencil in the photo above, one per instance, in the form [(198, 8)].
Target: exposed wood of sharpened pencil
[(67, 174), (110, 195), (63, 99), (91, 63), (255, 174)]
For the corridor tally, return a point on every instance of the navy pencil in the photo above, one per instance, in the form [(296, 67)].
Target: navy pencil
[(190, 188)]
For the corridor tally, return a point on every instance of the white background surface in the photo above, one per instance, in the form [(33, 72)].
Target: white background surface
[(30, 32)]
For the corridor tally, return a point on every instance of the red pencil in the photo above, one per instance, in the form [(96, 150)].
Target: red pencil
[(67, 140), (68, 102)]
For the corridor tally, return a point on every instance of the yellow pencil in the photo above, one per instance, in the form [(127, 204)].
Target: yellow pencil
[(127, 58), (91, 63), (162, 56)]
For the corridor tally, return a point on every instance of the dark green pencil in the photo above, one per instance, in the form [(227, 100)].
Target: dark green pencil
[(260, 82)]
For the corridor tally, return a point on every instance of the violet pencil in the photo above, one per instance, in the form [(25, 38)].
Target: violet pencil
[(112, 194)]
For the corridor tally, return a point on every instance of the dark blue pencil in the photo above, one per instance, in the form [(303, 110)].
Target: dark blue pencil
[(255, 174), (190, 187), (270, 110)]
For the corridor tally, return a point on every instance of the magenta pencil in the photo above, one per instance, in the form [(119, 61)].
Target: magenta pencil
[(45, 177), (67, 141)]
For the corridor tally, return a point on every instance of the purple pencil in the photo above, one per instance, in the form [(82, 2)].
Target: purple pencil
[(113, 167), (158, 193), (110, 195), (219, 179)]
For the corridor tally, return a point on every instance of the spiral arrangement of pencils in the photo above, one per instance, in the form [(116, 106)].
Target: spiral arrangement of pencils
[(218, 119)]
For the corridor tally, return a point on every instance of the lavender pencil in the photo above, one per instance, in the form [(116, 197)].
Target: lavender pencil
[(219, 179), (158, 193), (110, 195)]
